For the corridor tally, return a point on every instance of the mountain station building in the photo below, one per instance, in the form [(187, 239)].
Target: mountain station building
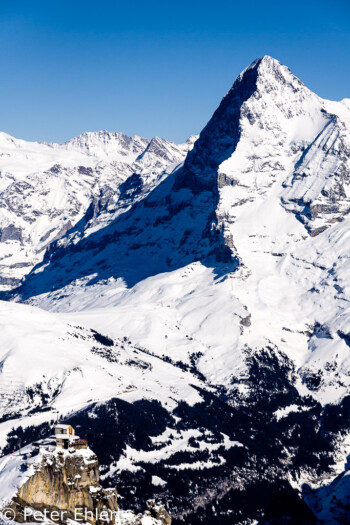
[(65, 437)]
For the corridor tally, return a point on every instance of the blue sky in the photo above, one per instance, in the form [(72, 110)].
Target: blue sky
[(154, 67)]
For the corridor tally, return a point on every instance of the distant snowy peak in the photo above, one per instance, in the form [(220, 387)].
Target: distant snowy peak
[(162, 152), (121, 147), (47, 189), (8, 141), (106, 144)]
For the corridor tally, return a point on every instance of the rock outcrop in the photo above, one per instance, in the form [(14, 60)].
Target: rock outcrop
[(158, 512), (67, 483)]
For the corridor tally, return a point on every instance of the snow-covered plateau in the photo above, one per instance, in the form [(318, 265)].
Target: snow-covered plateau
[(187, 307)]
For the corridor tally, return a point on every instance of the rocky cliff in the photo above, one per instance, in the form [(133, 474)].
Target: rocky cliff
[(66, 485), (67, 482)]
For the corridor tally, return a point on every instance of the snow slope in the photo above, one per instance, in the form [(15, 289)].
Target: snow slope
[(48, 362)]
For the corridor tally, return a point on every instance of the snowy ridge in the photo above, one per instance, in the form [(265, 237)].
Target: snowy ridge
[(105, 144)]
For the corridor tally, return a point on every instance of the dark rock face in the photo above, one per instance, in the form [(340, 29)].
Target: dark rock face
[(246, 321), (344, 336), (9, 281), (11, 233), (219, 138), (132, 185)]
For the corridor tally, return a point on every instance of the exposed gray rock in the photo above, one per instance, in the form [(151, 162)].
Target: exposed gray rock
[(11, 233)]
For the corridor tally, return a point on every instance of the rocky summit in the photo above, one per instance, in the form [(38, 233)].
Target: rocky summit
[(186, 307)]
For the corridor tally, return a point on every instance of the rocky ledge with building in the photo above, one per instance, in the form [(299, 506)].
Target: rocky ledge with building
[(48, 483)]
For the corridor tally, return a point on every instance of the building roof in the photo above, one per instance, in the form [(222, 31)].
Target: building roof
[(65, 436), (63, 426)]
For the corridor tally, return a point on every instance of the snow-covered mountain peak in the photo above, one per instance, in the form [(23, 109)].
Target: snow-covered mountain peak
[(267, 108), (191, 140), (271, 71), (106, 144), (269, 65), (264, 64), (5, 138)]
